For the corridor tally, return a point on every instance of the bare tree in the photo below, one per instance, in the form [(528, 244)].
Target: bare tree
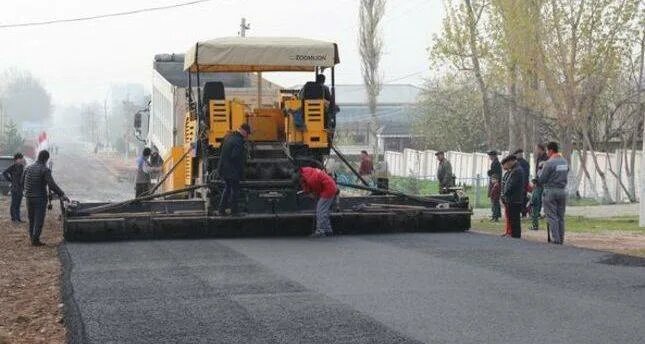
[(24, 97), (370, 46)]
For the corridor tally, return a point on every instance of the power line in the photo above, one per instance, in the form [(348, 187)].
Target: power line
[(402, 77), (101, 16)]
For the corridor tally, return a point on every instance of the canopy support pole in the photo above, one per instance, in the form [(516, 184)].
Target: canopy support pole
[(259, 90)]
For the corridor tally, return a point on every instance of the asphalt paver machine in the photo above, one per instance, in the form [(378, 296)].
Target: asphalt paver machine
[(295, 130)]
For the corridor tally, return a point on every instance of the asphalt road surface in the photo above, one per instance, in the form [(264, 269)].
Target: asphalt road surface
[(403, 288)]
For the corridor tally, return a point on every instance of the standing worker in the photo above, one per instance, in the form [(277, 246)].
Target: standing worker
[(231, 168), (13, 174), (526, 175), (366, 168), (495, 171), (444, 173), (512, 195), (494, 193), (37, 178), (319, 184), (536, 195), (143, 179), (553, 178)]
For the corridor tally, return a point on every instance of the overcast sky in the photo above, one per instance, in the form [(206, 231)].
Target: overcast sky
[(78, 61)]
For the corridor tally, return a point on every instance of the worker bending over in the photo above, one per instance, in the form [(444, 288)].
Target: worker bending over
[(319, 184)]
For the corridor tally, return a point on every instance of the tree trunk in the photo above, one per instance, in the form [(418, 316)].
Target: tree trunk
[(374, 127), (585, 170), (618, 179), (630, 165), (513, 136), (474, 53), (566, 142)]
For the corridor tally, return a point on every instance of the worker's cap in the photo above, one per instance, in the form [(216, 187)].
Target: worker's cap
[(439, 153), (493, 152), (509, 158), (519, 151), (246, 127)]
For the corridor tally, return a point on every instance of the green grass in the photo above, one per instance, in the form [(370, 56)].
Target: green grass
[(582, 202), (477, 199), (427, 187), (574, 224)]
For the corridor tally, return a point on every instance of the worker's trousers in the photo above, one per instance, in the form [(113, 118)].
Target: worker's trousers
[(16, 200), (555, 202), (229, 196), (514, 213), (536, 206), (496, 209), (36, 208), (323, 212), (141, 188)]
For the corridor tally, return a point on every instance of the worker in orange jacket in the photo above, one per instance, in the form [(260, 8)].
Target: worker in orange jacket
[(320, 185)]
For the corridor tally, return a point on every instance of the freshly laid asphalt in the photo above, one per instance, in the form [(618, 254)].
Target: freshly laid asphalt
[(403, 288)]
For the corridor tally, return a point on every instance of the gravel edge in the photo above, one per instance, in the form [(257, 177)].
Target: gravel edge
[(73, 321)]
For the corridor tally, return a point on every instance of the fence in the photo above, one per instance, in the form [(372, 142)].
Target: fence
[(471, 167)]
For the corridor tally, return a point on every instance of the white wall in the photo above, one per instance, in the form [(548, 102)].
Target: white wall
[(467, 166)]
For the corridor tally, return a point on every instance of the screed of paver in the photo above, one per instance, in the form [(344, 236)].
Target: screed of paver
[(202, 292), (467, 288)]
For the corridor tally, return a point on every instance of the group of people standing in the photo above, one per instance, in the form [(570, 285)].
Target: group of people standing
[(35, 183), (510, 185)]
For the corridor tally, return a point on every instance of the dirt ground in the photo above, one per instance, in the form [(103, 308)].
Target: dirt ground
[(30, 303), (623, 242)]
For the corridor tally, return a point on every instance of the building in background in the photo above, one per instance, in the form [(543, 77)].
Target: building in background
[(396, 110)]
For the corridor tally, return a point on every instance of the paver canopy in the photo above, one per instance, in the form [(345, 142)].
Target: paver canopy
[(260, 54)]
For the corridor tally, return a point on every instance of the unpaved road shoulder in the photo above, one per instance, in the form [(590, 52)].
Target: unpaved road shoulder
[(29, 282)]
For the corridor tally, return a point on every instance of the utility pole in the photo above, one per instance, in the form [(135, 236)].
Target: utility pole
[(243, 27), (107, 125)]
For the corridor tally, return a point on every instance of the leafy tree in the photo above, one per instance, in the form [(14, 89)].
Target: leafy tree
[(451, 118)]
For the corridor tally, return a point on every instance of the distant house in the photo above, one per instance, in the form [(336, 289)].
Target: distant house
[(396, 111)]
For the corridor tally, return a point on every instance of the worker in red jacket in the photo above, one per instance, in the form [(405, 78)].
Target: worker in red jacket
[(319, 184)]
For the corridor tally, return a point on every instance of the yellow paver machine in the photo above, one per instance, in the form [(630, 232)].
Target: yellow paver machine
[(295, 129)]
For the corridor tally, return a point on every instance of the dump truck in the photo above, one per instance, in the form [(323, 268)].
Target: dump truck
[(294, 128)]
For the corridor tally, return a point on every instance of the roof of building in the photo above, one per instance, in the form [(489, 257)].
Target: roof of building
[(390, 94)]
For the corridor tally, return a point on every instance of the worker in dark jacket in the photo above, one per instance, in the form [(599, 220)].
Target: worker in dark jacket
[(231, 168), (526, 175), (513, 193), (444, 173), (13, 174), (495, 171), (495, 165), (37, 178)]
